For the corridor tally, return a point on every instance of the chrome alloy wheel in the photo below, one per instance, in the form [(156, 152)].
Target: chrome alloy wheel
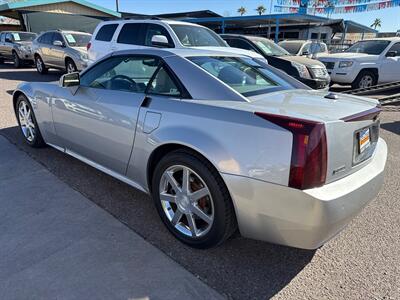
[(39, 64), (26, 121), (70, 68), (186, 201), (366, 81)]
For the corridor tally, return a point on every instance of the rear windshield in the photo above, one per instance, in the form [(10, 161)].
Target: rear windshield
[(244, 75), (77, 39), (23, 36), (292, 48), (369, 47), (195, 36)]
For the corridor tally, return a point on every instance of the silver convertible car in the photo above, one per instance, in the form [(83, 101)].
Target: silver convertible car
[(221, 141)]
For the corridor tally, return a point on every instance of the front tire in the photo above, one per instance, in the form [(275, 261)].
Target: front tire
[(192, 200), (40, 66), (70, 66), (27, 123), (16, 60), (365, 79)]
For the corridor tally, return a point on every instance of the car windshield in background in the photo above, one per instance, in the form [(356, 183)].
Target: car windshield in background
[(269, 48), (76, 39), (23, 36), (291, 47), (242, 74), (369, 47), (194, 36)]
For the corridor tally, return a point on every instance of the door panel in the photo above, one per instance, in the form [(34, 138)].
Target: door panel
[(390, 68), (56, 53), (98, 124)]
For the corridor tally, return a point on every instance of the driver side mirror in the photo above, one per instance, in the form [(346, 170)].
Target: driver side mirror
[(58, 43), (160, 41), (391, 54), (70, 79)]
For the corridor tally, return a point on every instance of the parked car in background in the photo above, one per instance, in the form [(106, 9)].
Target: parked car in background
[(16, 46), (136, 34), (311, 49), (309, 71), (58, 49), (366, 63), (219, 140)]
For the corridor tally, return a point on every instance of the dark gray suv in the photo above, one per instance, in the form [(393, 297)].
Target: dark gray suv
[(16, 46), (63, 50)]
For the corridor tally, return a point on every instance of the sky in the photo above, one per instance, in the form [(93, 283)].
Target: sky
[(390, 17)]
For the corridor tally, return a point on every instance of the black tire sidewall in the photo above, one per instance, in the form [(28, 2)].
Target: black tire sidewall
[(356, 84), (70, 62), (218, 230), (38, 140), (44, 69), (16, 60)]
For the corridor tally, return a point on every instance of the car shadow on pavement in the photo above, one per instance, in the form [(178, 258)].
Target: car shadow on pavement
[(392, 127), (238, 269), (27, 74)]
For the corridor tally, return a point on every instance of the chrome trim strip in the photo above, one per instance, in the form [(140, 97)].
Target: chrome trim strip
[(56, 147)]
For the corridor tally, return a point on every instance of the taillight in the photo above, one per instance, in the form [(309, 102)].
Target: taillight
[(88, 46), (309, 150)]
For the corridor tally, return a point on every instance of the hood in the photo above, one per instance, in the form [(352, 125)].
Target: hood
[(81, 49), (303, 60), (348, 55), (304, 104), (24, 43), (233, 50)]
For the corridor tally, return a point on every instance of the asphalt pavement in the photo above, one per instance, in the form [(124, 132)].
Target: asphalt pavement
[(362, 262)]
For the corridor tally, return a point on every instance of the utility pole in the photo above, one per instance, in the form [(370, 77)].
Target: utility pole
[(117, 5)]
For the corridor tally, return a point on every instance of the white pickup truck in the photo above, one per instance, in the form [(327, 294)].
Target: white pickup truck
[(366, 63)]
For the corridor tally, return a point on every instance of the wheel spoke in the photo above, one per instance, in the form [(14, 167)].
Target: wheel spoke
[(167, 197), (171, 180), (185, 180), (177, 217), (192, 224), (31, 133), (201, 214), (201, 193)]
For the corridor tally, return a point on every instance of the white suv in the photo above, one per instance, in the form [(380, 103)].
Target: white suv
[(366, 63), (117, 35)]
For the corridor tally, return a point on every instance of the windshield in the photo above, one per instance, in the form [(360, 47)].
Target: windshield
[(23, 36), (242, 74), (77, 39), (269, 48), (291, 47), (195, 36), (369, 47)]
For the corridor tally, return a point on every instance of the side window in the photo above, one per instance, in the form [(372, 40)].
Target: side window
[(9, 37), (2, 37), (57, 37), (306, 48), (237, 43), (155, 29), (130, 34), (163, 84), (47, 38), (396, 47), (323, 47), (122, 73), (106, 32)]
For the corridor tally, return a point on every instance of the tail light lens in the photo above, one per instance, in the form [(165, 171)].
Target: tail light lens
[(88, 46), (309, 151)]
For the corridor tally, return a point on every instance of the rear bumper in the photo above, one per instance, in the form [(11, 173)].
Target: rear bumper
[(304, 219)]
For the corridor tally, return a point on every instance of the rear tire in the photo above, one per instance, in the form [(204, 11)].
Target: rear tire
[(70, 66), (16, 60), (40, 66), (27, 123), (215, 222), (364, 79)]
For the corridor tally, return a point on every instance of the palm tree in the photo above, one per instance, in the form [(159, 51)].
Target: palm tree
[(377, 23), (241, 10), (261, 9)]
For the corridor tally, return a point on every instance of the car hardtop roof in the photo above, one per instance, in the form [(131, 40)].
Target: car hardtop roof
[(17, 31), (244, 36), (391, 39), (150, 20), (178, 52)]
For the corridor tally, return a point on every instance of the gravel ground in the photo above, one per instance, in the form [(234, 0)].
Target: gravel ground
[(362, 262)]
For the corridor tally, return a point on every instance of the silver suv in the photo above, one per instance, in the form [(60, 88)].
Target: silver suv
[(16, 46), (63, 50)]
